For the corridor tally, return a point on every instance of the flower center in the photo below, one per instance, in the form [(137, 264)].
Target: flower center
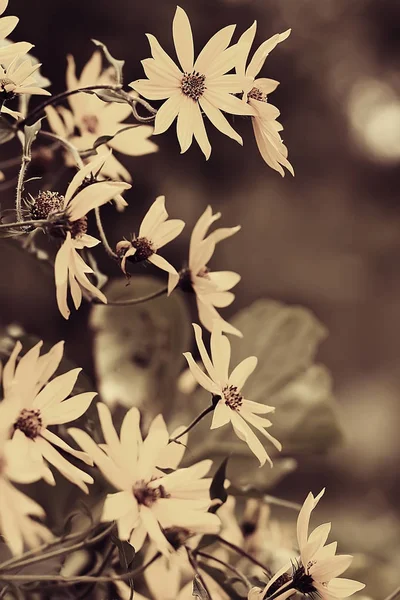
[(233, 398), (177, 536), (257, 94), (302, 581), (144, 249), (192, 85), (29, 422), (45, 204), (148, 495), (78, 227), (91, 123)]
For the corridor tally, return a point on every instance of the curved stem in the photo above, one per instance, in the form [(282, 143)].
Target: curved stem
[(67, 145), (239, 550), (102, 234), (394, 594), (18, 224), (240, 575), (132, 301), (195, 568), (193, 423), (59, 97)]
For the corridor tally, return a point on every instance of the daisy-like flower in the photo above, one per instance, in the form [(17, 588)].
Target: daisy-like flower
[(211, 288), (7, 24), (231, 406), (149, 501), (94, 118), (155, 232), (319, 566), (68, 214), (9, 51), (34, 405), (201, 85), (266, 127), (17, 78)]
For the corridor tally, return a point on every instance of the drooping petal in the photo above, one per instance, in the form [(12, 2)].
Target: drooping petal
[(258, 60), (184, 124), (218, 120), (161, 263)]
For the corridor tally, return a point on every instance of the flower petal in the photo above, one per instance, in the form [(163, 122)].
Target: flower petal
[(183, 39), (167, 113), (243, 370), (201, 378), (214, 47), (221, 415), (218, 120)]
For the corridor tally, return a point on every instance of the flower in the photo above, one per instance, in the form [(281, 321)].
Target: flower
[(94, 118), (7, 24), (226, 390), (17, 78), (9, 50), (34, 405), (266, 127), (198, 86), (149, 502), (84, 193), (155, 232), (211, 288), (318, 568), (16, 525)]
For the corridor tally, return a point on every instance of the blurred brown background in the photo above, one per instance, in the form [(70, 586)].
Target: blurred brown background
[(328, 239)]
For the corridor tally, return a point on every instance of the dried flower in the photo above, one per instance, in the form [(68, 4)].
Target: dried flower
[(34, 405), (266, 127), (226, 389), (148, 501), (211, 288), (155, 232), (201, 85)]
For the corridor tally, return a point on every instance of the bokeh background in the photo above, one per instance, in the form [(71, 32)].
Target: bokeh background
[(328, 239)]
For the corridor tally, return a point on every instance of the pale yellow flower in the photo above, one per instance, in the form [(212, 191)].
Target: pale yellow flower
[(211, 288), (231, 405), (155, 232), (70, 268), (149, 502), (18, 78), (9, 50), (266, 127), (198, 86), (34, 405), (93, 118)]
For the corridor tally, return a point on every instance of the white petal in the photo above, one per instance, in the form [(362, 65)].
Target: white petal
[(93, 196), (69, 410), (303, 519), (57, 441), (201, 378), (154, 531), (257, 62), (117, 505), (155, 442), (244, 369), (153, 218), (167, 113), (214, 375), (328, 569), (70, 472), (161, 263), (218, 120), (244, 432), (228, 103), (57, 390), (184, 124), (162, 57), (343, 588), (221, 415), (245, 42), (220, 352), (183, 39), (167, 232), (214, 47)]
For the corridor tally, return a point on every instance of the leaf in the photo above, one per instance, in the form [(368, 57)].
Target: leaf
[(126, 552), (103, 139), (111, 96), (138, 348), (7, 131), (117, 64), (217, 487), (199, 591), (31, 132)]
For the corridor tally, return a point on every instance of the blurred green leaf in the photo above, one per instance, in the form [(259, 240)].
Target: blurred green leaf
[(138, 348)]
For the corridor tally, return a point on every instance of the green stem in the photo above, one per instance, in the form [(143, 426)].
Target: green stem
[(205, 412), (33, 116), (132, 301)]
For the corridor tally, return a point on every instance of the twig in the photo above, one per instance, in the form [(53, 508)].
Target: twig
[(193, 423), (240, 575), (20, 184), (193, 563), (67, 145), (18, 224), (132, 301), (242, 552), (102, 234), (394, 594)]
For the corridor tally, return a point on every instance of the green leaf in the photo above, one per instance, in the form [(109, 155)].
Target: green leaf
[(117, 64), (7, 131), (199, 591), (138, 348)]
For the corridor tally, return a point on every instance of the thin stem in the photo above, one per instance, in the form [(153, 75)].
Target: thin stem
[(20, 185), (394, 594), (59, 97), (140, 300), (67, 145), (132, 101), (18, 224), (193, 563), (106, 559), (102, 234), (239, 550), (227, 566), (205, 412)]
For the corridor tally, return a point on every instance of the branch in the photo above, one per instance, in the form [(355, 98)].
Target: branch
[(132, 301), (193, 423)]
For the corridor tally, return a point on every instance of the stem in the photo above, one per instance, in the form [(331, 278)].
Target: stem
[(227, 566), (20, 184), (103, 236), (18, 224), (106, 558), (59, 97), (193, 563), (132, 301), (193, 423), (67, 145), (394, 594), (132, 101), (242, 552)]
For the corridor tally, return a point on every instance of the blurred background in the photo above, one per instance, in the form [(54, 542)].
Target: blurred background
[(328, 239)]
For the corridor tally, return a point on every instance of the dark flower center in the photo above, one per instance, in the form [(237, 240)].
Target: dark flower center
[(91, 123), (177, 536), (147, 495), (29, 422), (257, 94), (7, 87), (45, 204), (144, 249), (192, 85), (303, 582), (232, 397), (248, 528)]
